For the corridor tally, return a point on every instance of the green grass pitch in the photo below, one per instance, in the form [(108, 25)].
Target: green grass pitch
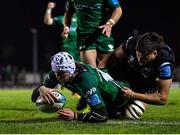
[(18, 115)]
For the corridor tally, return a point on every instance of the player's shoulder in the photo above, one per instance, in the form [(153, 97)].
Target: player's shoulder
[(130, 43), (166, 54), (84, 69)]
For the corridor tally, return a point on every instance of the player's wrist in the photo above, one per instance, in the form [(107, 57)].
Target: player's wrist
[(132, 95), (111, 22), (75, 116), (48, 11), (66, 26)]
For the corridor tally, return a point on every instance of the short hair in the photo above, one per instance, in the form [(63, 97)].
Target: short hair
[(149, 42)]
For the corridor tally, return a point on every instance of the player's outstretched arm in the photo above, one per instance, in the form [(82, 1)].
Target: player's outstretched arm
[(93, 116), (48, 20), (159, 97), (68, 15)]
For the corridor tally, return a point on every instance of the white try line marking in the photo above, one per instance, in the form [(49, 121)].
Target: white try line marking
[(144, 122)]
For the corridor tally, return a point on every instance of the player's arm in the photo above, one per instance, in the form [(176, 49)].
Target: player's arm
[(115, 16), (98, 111), (48, 20), (46, 88), (68, 15), (163, 84), (159, 97), (107, 28), (99, 115), (112, 57), (90, 91)]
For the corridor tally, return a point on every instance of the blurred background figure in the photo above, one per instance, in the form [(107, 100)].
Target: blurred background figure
[(69, 44)]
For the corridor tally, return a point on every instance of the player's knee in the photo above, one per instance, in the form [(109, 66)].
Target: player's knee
[(35, 95), (134, 110)]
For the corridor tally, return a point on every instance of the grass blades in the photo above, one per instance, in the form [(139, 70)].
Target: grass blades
[(18, 115)]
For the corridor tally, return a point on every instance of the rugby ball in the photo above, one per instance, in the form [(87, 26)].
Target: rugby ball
[(134, 110), (43, 106)]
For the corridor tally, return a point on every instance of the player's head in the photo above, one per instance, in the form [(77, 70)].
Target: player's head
[(147, 47), (63, 65)]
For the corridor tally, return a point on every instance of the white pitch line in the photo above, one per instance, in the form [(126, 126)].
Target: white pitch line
[(144, 122)]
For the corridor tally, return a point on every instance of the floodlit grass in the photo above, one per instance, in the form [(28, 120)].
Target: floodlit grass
[(18, 115)]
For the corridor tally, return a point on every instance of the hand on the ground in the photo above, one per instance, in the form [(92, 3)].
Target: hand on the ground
[(66, 114)]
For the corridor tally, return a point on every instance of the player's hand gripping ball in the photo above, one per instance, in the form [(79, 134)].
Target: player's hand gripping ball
[(43, 106)]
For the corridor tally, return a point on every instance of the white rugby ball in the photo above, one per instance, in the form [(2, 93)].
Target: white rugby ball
[(43, 106), (134, 110)]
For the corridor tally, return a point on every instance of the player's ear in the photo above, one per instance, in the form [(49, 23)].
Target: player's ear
[(155, 52)]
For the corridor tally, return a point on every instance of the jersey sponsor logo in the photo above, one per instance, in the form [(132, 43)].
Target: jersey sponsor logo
[(111, 47), (90, 6), (98, 5), (94, 100), (90, 92), (165, 71), (82, 47)]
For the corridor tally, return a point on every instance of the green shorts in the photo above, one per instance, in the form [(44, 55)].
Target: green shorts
[(101, 43)]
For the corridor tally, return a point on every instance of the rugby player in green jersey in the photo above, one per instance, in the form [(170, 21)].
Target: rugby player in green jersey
[(95, 19), (102, 93), (69, 44)]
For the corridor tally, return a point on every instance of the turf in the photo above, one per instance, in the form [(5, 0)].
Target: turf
[(18, 115)]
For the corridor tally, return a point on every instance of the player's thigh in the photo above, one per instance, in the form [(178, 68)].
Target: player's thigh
[(101, 55), (89, 56)]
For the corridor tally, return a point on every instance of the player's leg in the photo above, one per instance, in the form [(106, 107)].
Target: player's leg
[(89, 57), (104, 46)]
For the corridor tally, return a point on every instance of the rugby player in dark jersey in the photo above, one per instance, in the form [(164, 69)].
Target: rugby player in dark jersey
[(146, 61)]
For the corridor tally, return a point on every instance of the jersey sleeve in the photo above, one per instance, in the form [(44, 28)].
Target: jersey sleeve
[(91, 91), (99, 115), (129, 45), (50, 80), (165, 71), (93, 97), (113, 3), (58, 20)]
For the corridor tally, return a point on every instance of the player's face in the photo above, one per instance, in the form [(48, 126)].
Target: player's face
[(63, 76), (143, 60)]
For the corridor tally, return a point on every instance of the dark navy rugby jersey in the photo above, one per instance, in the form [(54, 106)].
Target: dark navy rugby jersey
[(142, 78)]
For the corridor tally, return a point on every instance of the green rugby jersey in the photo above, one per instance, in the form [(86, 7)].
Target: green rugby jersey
[(70, 44), (96, 86), (90, 13)]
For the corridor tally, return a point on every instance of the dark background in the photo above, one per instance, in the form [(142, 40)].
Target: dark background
[(19, 16)]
